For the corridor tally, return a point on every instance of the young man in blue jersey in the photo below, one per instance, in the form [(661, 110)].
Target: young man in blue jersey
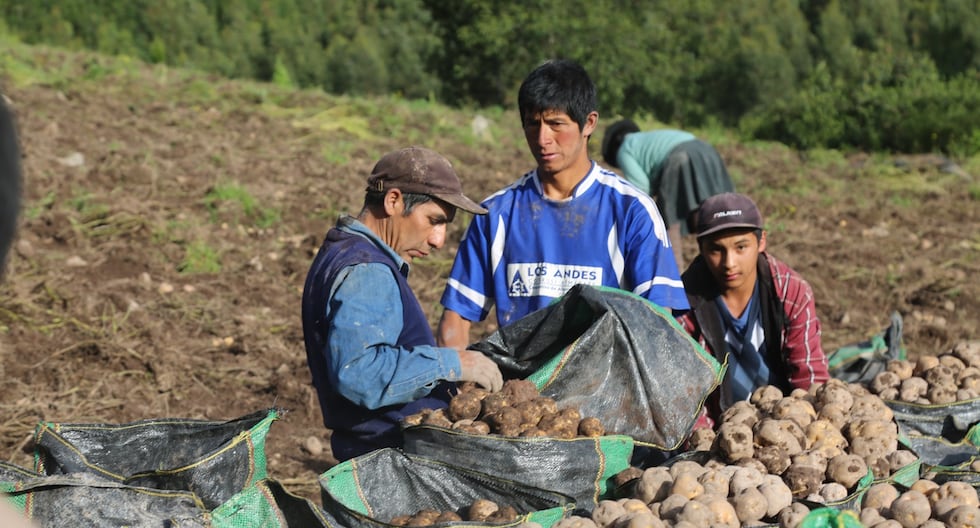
[(567, 222), (369, 346)]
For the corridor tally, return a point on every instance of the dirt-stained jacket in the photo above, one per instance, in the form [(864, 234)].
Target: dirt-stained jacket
[(789, 320)]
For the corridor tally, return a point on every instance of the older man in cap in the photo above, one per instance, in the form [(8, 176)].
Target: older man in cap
[(750, 306), (369, 346)]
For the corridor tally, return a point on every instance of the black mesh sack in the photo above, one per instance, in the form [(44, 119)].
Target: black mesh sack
[(615, 356), (214, 460), (582, 468), (370, 490)]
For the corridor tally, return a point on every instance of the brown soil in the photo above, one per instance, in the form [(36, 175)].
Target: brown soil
[(99, 324)]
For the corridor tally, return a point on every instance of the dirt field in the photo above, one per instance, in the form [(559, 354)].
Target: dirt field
[(136, 181)]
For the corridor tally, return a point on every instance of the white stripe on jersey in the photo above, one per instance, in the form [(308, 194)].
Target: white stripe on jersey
[(657, 281), (497, 247), (471, 294), (624, 187), (615, 255)]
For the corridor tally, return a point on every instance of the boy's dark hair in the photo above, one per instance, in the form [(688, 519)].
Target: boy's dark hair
[(558, 84)]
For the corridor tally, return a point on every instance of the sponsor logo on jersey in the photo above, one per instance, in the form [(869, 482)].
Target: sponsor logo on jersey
[(547, 279)]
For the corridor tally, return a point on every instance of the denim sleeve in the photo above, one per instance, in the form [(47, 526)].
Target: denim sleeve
[(364, 363)]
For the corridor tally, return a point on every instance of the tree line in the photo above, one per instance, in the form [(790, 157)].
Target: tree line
[(899, 75)]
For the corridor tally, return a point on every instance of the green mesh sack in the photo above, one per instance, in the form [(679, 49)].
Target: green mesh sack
[(860, 362), (582, 468), (370, 490), (268, 505), (214, 460), (831, 518)]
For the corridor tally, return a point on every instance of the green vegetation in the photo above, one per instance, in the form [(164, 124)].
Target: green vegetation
[(232, 198), (199, 257), (874, 75)]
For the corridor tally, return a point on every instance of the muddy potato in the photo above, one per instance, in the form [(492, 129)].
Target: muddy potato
[(591, 426), (447, 516), (504, 514), (481, 509), (494, 402), (520, 390), (507, 418), (438, 418), (400, 520), (464, 406), (629, 474), (531, 411), (423, 518)]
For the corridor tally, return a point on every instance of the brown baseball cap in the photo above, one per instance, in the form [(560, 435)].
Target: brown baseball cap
[(422, 171), (727, 211)]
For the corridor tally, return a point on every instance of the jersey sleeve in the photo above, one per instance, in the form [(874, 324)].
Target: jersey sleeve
[(469, 291), (650, 266)]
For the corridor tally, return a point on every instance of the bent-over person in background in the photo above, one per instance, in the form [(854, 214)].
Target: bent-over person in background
[(369, 346)]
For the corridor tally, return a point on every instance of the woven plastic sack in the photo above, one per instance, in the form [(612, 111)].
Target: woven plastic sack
[(370, 490), (949, 420), (268, 505), (860, 362), (613, 355), (582, 468), (214, 460), (85, 500), (831, 518)]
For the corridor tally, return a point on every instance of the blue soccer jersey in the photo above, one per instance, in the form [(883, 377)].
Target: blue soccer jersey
[(530, 250)]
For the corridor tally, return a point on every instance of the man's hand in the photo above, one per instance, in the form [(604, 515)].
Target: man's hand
[(480, 369)]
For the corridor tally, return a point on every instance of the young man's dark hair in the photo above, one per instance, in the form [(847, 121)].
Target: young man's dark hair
[(561, 85)]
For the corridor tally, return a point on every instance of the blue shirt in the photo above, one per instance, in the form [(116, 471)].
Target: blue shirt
[(364, 321), (642, 155), (529, 249)]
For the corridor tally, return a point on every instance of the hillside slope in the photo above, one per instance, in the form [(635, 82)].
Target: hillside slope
[(170, 218)]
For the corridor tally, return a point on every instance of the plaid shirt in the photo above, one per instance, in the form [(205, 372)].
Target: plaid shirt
[(799, 340)]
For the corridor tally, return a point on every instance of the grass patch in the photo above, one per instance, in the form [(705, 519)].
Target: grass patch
[(234, 199), (200, 258)]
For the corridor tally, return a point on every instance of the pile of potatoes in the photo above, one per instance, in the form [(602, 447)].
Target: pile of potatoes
[(949, 377), (925, 504), (821, 442), (517, 410), (481, 510), (688, 494)]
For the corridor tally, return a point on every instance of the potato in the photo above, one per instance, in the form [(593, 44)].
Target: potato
[(964, 517), (654, 484), (531, 411), (750, 505), (607, 511), (494, 402), (519, 390), (575, 521), (504, 514), (481, 509), (911, 509), (776, 493), (591, 426), (847, 469), (880, 497), (792, 515), (464, 406), (446, 517), (696, 513)]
